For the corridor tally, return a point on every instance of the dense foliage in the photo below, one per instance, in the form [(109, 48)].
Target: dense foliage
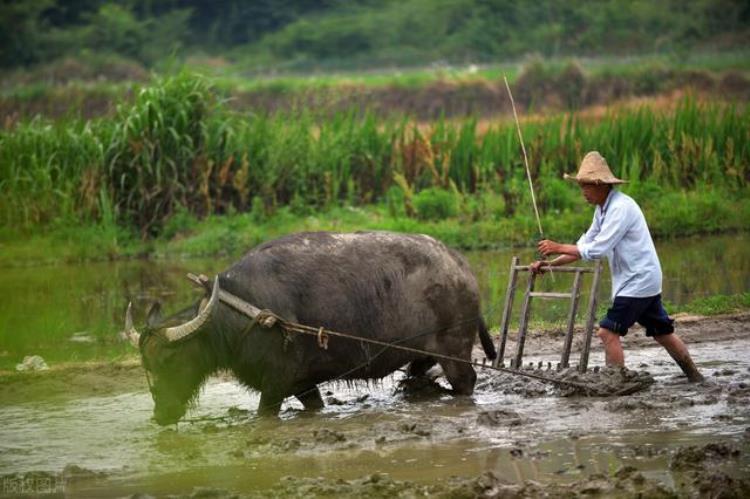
[(177, 150), (304, 32)]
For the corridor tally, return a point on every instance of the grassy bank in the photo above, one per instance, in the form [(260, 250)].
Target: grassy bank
[(716, 305), (233, 77), (673, 214), (75, 87)]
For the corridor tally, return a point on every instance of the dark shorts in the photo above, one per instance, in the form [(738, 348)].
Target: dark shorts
[(648, 312)]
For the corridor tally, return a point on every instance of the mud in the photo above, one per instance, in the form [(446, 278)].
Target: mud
[(570, 382), (696, 457), (86, 430), (626, 483), (65, 382), (704, 475)]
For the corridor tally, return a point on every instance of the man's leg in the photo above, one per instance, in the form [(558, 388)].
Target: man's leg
[(613, 353), (660, 326), (679, 352)]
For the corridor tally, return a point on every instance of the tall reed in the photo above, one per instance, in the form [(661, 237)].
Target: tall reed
[(179, 148)]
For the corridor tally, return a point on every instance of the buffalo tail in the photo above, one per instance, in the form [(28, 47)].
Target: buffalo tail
[(486, 340)]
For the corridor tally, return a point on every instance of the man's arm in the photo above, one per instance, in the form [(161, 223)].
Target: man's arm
[(547, 247), (568, 254)]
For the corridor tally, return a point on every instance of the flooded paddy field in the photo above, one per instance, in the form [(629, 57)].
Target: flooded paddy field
[(387, 438), (84, 429)]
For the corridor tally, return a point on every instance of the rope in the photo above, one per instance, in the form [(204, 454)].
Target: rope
[(303, 329)]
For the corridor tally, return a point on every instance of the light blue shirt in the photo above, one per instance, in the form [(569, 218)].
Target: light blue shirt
[(619, 232)]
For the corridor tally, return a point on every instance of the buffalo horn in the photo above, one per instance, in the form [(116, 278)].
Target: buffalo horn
[(183, 330), (130, 332)]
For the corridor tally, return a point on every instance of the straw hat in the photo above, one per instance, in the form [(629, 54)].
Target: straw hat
[(594, 170)]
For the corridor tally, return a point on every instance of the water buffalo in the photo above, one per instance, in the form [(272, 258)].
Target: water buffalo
[(409, 289)]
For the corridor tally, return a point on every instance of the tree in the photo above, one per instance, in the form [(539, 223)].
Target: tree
[(21, 30)]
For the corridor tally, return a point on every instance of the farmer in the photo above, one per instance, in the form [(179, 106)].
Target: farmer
[(620, 233)]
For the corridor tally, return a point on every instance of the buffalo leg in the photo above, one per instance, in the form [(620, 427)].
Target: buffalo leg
[(270, 403), (461, 376), (419, 367), (311, 399)]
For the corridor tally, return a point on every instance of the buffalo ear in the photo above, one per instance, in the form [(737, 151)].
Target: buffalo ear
[(154, 315)]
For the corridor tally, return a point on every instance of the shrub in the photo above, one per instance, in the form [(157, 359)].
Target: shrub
[(646, 192), (180, 222), (258, 210), (435, 204), (558, 194), (534, 82), (571, 83), (485, 205), (394, 200)]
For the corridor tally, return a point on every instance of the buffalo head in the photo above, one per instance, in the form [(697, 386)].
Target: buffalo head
[(174, 354)]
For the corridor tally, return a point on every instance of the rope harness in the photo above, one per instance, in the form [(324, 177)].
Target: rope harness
[(268, 319)]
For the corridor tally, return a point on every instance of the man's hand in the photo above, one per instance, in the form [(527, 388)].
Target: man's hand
[(547, 247), (539, 267)]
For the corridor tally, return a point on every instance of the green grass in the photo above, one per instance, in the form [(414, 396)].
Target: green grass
[(231, 235), (230, 78), (717, 304)]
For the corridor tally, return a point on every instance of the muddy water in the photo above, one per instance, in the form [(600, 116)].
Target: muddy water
[(70, 313), (519, 430), (94, 445)]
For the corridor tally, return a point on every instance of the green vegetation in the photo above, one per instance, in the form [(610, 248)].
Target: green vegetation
[(434, 58), (72, 88), (177, 155), (414, 31), (331, 33), (717, 304), (230, 235)]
